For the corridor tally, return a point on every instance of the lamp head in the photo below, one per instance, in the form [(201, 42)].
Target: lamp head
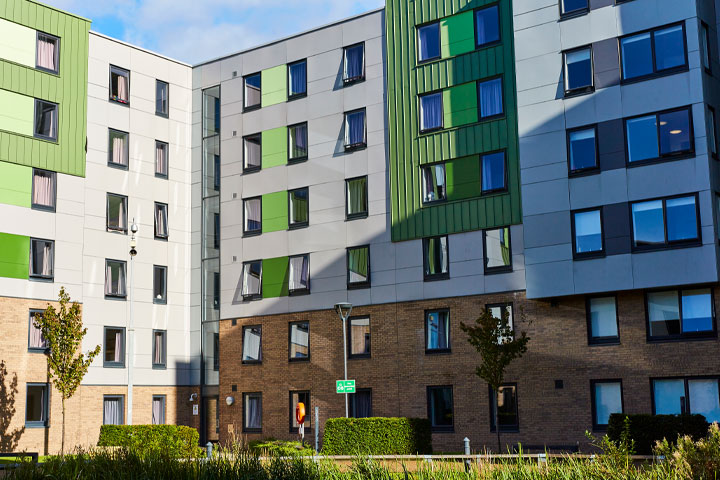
[(343, 309), (134, 227)]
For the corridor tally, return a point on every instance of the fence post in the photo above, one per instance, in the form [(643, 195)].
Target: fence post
[(466, 449), (209, 450), (317, 429)]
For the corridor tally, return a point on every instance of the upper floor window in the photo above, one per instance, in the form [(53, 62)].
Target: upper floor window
[(359, 337), (159, 349), (578, 71), (659, 135), (491, 98), (48, 52), (497, 251), (437, 331), (161, 159), (687, 395), (119, 85), (435, 258), (116, 213), (587, 233), (705, 46), (299, 348), (440, 408), (118, 148), (161, 220), (503, 313), (162, 98), (299, 281), (654, 52), (36, 340), (252, 344), (115, 278), (505, 401), (358, 267), (680, 314), (712, 131), (487, 26), (252, 280), (606, 400), (433, 188), (297, 79), (46, 120), (582, 149), (252, 208), (355, 131), (159, 284), (114, 347), (354, 63), (299, 208), (298, 142), (44, 189), (664, 222), (41, 258), (356, 198), (431, 112), (37, 405), (493, 172), (252, 149), (602, 320), (571, 7), (428, 42), (253, 91)]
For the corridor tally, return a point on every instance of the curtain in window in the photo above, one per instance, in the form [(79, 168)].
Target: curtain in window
[(46, 53), (253, 152), (299, 206), (42, 258), (355, 128), (161, 221), (47, 259), (119, 148), (111, 407), (157, 411), (354, 62), (505, 245), (161, 165), (434, 177), (252, 215), (251, 344), (432, 114), (298, 78), (46, 119), (36, 337), (114, 279), (251, 280), (159, 354), (299, 273), (491, 98), (437, 255), (437, 330), (298, 141), (122, 88), (43, 192), (357, 199), (253, 412), (118, 346), (358, 265), (121, 215), (108, 280), (363, 404)]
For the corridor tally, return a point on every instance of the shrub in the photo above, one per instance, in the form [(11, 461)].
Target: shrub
[(646, 430), (377, 436), (270, 447), (693, 459), (173, 440)]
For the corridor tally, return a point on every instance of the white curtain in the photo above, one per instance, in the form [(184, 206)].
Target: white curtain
[(122, 85), (119, 149), (111, 409), (161, 221), (157, 411), (159, 357), (253, 412), (115, 286), (491, 98), (36, 337), (46, 53), (251, 344), (122, 215), (299, 273), (121, 279), (108, 280), (118, 347), (43, 188), (252, 215), (251, 281), (47, 260), (161, 159)]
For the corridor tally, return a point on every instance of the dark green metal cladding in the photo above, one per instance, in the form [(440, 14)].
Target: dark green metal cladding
[(464, 138)]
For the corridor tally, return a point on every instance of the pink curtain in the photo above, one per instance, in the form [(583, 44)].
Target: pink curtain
[(46, 53), (161, 221), (47, 259), (118, 347), (122, 83), (119, 150), (43, 189), (108, 280), (36, 338), (161, 159), (122, 216), (158, 358)]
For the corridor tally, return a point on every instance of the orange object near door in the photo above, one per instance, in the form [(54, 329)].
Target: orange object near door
[(300, 413)]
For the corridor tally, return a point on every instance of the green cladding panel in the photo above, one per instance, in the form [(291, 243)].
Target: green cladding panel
[(68, 88), (14, 256), (464, 136), (274, 147), (274, 212), (275, 277), (274, 85), (15, 184), (16, 113)]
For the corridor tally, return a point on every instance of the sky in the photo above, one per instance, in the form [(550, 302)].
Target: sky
[(197, 30)]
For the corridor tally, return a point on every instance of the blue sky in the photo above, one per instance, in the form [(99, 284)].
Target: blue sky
[(197, 30)]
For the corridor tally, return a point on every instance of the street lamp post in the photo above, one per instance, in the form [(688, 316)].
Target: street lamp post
[(343, 310), (131, 325)]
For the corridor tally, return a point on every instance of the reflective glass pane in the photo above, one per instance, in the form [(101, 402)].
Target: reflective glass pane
[(705, 399), (487, 26), (608, 400), (697, 311), (493, 172), (359, 336), (669, 48), (603, 317), (491, 99), (298, 138), (429, 42), (506, 401), (497, 248), (431, 111), (648, 223), (253, 90), (636, 56), (582, 149), (299, 207), (252, 344), (297, 78), (674, 132), (436, 256), (357, 202), (669, 396), (588, 232), (578, 69), (434, 183), (211, 111), (358, 265), (252, 152), (569, 6), (438, 330), (441, 406), (663, 313), (642, 138), (681, 219), (299, 340)]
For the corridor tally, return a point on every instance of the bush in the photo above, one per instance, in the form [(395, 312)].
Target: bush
[(270, 447), (646, 430), (377, 436), (690, 459), (176, 441)]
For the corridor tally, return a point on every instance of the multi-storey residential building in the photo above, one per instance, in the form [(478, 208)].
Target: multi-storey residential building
[(554, 161)]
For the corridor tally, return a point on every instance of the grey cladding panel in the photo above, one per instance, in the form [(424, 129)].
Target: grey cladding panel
[(606, 63), (616, 229), (611, 144)]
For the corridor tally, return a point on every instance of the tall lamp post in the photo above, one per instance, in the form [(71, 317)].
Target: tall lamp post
[(343, 310), (131, 325)]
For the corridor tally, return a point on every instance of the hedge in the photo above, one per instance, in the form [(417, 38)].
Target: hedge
[(645, 430), (173, 440), (377, 436)]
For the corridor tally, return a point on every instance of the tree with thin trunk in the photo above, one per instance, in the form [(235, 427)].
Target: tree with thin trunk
[(498, 346), (63, 333)]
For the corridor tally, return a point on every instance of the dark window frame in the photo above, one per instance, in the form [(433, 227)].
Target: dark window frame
[(493, 401), (31, 349), (357, 285), (36, 206), (353, 80), (164, 409), (494, 191), (121, 399), (500, 31), (166, 145), (296, 95), (298, 225), (667, 157), (246, 168), (257, 106), (252, 296), (479, 105), (251, 233), (308, 411), (352, 402), (686, 406), (704, 28), (116, 296), (163, 365), (108, 228), (437, 276), (260, 350), (681, 337), (505, 306), (435, 351), (365, 214), (441, 428), (119, 71), (422, 184), (37, 276), (579, 12), (57, 52), (45, 422), (596, 253), (598, 427), (300, 291), (578, 172), (593, 340), (160, 113), (155, 226), (112, 164), (713, 146), (294, 160), (502, 269), (245, 429), (216, 352), (423, 131), (360, 145), (417, 42), (36, 105), (162, 301), (298, 359), (354, 356), (112, 363), (575, 92), (655, 73), (667, 245)]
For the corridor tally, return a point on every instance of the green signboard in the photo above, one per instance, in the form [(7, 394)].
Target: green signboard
[(345, 386)]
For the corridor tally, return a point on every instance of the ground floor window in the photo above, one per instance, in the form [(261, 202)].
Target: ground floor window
[(37, 405), (360, 403), (606, 400), (158, 410), (440, 408), (113, 410), (304, 398), (505, 400), (674, 396), (252, 412)]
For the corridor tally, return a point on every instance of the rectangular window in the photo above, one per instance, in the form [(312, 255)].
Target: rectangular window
[(487, 26), (159, 349), (491, 98), (162, 102), (252, 412), (665, 222), (216, 291), (115, 278), (162, 151), (587, 233), (356, 198), (687, 395), (116, 213), (437, 331), (113, 410), (602, 320), (659, 136), (431, 112), (572, 7), (252, 208), (428, 40), (440, 408), (118, 148), (505, 400), (582, 149), (358, 267), (578, 71), (712, 132), (680, 314), (497, 251), (359, 337), (252, 280), (114, 347), (436, 258), (37, 405), (355, 132), (252, 344), (216, 352), (42, 258), (299, 208), (36, 340), (44, 190), (159, 284), (493, 172), (46, 120), (705, 50), (253, 91), (119, 85), (658, 51), (297, 79), (354, 63), (606, 400), (216, 231), (296, 398), (161, 220), (502, 312), (360, 403), (298, 142), (299, 281), (158, 410), (299, 348), (434, 183), (252, 149), (47, 55)]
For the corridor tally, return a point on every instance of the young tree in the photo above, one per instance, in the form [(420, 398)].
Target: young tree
[(498, 346), (63, 332)]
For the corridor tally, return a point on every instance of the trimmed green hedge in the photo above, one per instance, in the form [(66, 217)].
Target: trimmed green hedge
[(377, 436), (173, 440), (647, 429)]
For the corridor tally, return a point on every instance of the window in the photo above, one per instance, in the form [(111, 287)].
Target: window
[(602, 320), (216, 230), (162, 151), (115, 278), (253, 91), (498, 254), (665, 222), (159, 349), (434, 183), (162, 92), (44, 190), (587, 233), (606, 400), (252, 412), (216, 352), (358, 266), (437, 331), (356, 198), (47, 55), (252, 280), (582, 149), (360, 403), (36, 340), (491, 98), (705, 43), (658, 51), (502, 312), (304, 398), (687, 395), (440, 408), (216, 291), (428, 42), (436, 259), (42, 258), (46, 120), (113, 409), (252, 147), (487, 26), (252, 208), (37, 405), (119, 85), (298, 143), (161, 224), (158, 410), (493, 172), (712, 132), (299, 348), (431, 112), (299, 281), (298, 208), (118, 148), (505, 400), (116, 213), (680, 314), (159, 284), (660, 135), (114, 347), (354, 63), (359, 337), (355, 129), (578, 71), (252, 345), (570, 7), (297, 79)]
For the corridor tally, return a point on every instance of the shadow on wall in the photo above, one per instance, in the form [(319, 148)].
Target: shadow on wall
[(184, 405), (9, 439)]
